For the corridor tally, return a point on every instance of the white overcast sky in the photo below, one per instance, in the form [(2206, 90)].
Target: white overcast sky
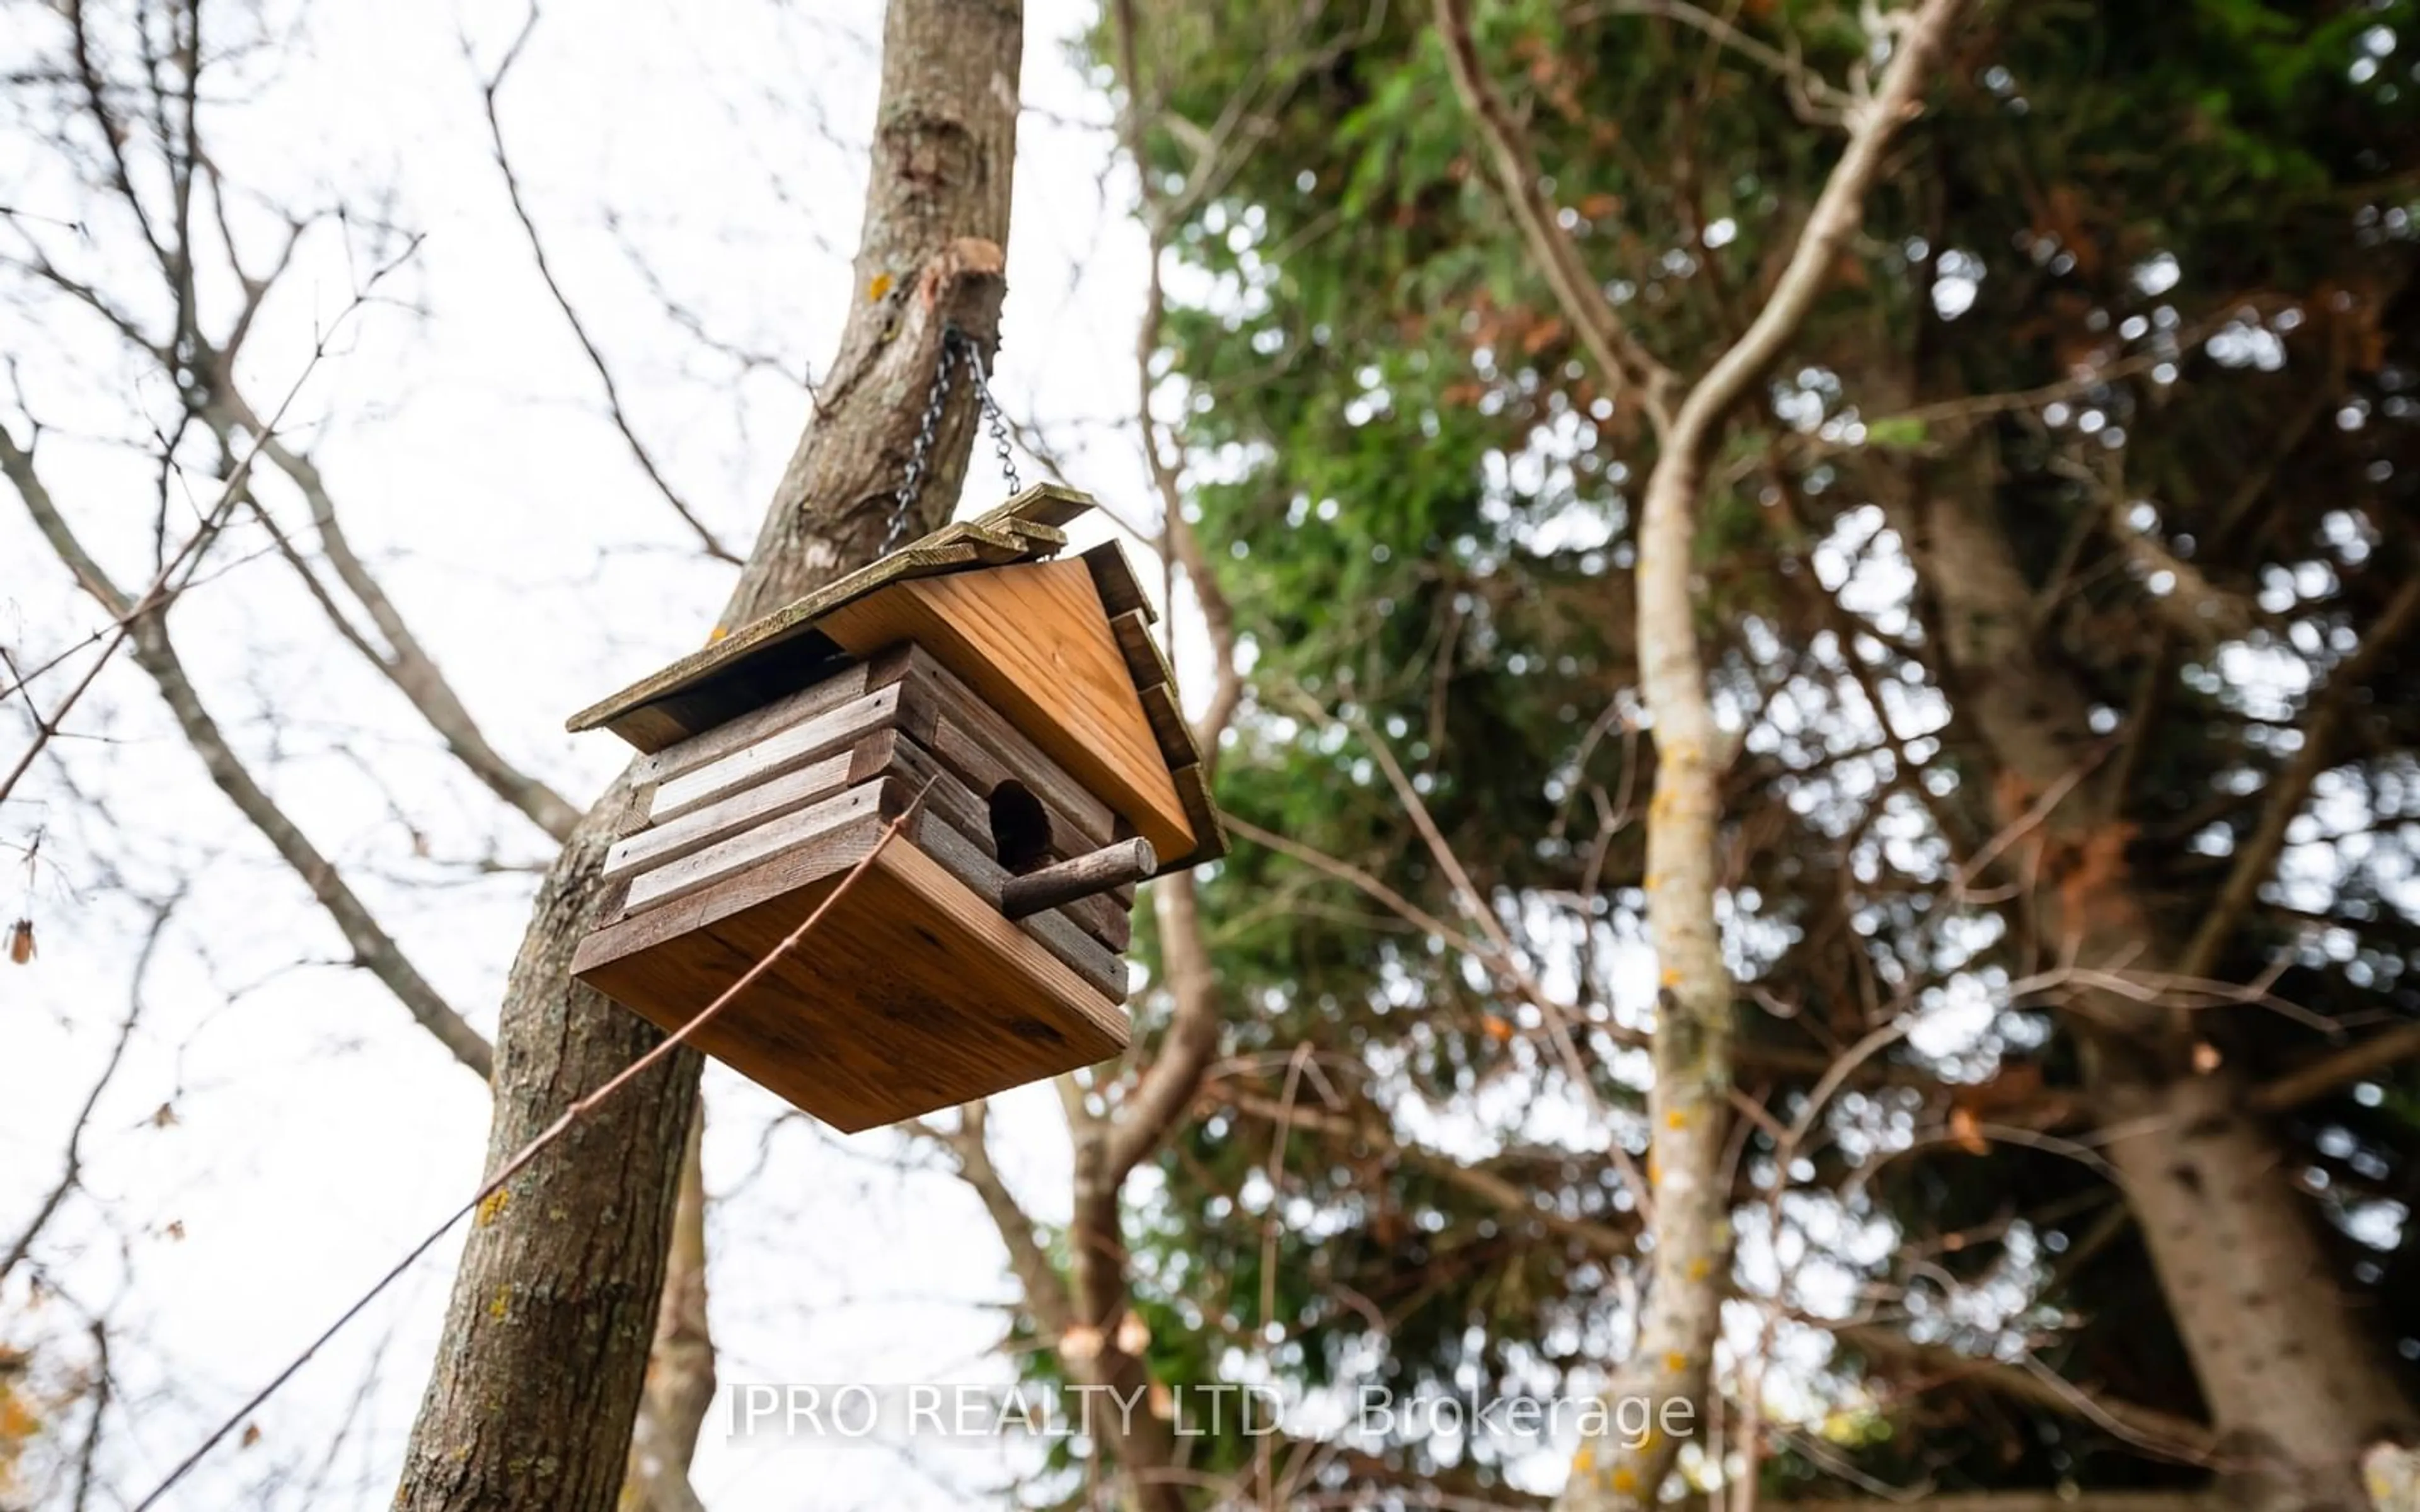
[(316, 1133)]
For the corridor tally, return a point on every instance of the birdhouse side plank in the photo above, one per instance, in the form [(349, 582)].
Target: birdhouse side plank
[(700, 828), (847, 682), (949, 796), (751, 847), (629, 933), (973, 738), (895, 753), (956, 820), (784, 750), (660, 862), (1075, 950)]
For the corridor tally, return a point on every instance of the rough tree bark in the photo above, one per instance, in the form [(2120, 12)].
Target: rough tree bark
[(680, 1365), (548, 1331), (2290, 1372)]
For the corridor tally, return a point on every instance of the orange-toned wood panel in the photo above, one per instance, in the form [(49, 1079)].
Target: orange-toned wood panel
[(912, 994), (1036, 642)]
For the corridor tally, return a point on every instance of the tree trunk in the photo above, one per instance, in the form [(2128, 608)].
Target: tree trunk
[(680, 1364), (2289, 1371), (547, 1335), (1671, 1362)]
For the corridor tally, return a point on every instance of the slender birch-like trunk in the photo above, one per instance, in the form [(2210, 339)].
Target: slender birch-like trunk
[(1689, 1271)]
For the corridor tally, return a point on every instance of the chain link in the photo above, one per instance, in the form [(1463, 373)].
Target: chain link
[(1001, 442), (920, 455), (955, 346)]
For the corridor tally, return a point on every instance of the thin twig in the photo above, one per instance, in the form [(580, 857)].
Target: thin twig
[(179, 570), (1616, 353), (73, 1167), (613, 406)]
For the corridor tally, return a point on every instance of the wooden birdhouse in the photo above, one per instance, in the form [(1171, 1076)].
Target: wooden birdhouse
[(1014, 700)]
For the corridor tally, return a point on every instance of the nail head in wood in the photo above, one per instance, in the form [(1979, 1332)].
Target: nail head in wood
[(1111, 866)]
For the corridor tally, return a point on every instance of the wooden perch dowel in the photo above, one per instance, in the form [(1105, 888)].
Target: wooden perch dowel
[(1111, 866)]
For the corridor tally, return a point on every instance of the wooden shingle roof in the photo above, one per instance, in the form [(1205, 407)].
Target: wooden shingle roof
[(789, 649)]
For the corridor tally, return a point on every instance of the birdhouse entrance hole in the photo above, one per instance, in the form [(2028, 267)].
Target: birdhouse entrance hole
[(1020, 828)]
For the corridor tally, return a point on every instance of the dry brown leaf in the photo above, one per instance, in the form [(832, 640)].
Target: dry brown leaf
[(1969, 1136), (1081, 1343), (1134, 1335)]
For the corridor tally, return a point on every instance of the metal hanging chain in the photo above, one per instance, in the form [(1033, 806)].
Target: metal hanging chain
[(955, 346), (920, 455), (1001, 442)]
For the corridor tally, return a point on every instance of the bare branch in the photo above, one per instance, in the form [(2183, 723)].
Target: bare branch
[(2163, 1434), (73, 1164), (1808, 84), (2258, 855), (1618, 358), (2329, 1072), (1829, 226), (1410, 911), (1511, 1198), (1167, 1086), (1673, 1356), (489, 89), (145, 622), (404, 661), (1045, 1289), (571, 1117), (177, 571), (2029, 1502)]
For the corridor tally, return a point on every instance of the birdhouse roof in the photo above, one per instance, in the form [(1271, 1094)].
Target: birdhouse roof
[(812, 637)]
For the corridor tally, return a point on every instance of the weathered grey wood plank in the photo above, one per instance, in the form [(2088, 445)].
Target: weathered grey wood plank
[(895, 753), (703, 868), (632, 933), (703, 827), (689, 755), (784, 750)]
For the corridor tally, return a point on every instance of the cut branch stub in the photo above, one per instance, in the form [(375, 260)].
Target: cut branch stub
[(1112, 866)]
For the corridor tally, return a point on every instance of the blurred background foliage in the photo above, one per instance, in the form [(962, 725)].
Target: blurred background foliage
[(2162, 252)]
